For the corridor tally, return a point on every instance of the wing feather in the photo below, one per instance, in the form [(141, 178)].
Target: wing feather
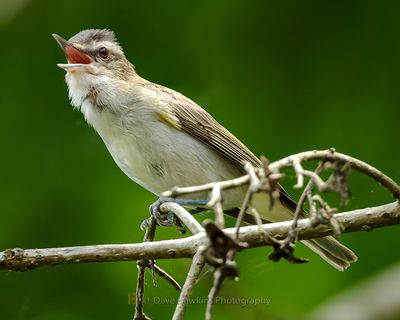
[(200, 124)]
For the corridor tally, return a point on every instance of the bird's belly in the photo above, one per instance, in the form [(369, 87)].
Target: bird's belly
[(186, 162), (171, 158)]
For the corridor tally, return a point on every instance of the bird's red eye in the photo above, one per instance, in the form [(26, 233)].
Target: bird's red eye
[(103, 53)]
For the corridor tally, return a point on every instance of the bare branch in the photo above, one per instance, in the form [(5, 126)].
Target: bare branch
[(246, 202), (332, 155), (358, 220), (216, 203), (162, 273), (217, 246), (285, 248), (142, 264), (295, 161), (209, 186), (221, 255), (254, 186), (191, 279), (300, 173)]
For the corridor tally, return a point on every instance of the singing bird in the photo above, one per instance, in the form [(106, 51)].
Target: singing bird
[(161, 139)]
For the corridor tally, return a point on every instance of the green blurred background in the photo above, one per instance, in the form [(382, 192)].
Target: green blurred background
[(283, 76)]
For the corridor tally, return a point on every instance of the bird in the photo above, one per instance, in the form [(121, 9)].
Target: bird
[(161, 139)]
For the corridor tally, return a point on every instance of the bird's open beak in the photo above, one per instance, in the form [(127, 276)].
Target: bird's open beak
[(75, 57)]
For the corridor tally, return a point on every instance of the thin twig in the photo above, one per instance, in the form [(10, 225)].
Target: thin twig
[(331, 155), (139, 313), (222, 184), (162, 273), (254, 186), (299, 174), (274, 167), (300, 203), (259, 222), (149, 236), (227, 270), (155, 269), (285, 248), (325, 215), (243, 209), (221, 255), (216, 203), (191, 279), (213, 292)]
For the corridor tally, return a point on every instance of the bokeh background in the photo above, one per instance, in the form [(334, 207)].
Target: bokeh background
[(283, 76)]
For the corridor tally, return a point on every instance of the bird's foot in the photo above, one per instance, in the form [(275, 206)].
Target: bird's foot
[(168, 219)]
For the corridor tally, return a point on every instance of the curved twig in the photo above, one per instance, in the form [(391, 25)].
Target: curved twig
[(294, 161), (332, 155)]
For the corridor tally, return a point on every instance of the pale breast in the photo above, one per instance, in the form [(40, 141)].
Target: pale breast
[(156, 155)]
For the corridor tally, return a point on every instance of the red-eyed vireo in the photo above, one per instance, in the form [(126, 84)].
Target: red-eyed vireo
[(161, 139)]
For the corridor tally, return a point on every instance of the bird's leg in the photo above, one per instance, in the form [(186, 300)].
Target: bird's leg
[(168, 219), (197, 210)]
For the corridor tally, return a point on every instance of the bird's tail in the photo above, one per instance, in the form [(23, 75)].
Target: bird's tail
[(332, 251)]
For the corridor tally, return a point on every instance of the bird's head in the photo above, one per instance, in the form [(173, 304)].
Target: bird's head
[(96, 64)]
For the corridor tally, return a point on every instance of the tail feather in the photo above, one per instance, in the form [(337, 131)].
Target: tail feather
[(332, 251), (328, 248)]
